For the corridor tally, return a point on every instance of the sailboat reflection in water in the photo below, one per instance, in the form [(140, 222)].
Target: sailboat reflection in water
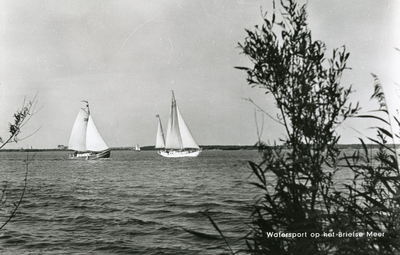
[(86, 139), (179, 142)]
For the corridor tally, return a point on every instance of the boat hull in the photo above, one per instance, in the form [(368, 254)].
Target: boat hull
[(91, 155), (179, 154)]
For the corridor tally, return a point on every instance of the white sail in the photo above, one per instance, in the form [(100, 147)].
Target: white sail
[(77, 140), (186, 136), (173, 140), (94, 141), (160, 142)]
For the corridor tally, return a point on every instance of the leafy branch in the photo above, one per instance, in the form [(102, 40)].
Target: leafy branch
[(21, 117)]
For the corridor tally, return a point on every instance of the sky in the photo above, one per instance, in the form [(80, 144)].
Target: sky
[(125, 57)]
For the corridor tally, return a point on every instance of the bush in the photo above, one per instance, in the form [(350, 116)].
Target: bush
[(305, 207)]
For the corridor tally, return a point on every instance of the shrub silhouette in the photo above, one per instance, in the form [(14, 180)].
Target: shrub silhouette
[(299, 181)]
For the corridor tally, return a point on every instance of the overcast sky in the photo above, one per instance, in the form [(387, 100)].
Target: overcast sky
[(125, 57)]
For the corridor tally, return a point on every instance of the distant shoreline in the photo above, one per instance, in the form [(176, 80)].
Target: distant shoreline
[(148, 148), (204, 147)]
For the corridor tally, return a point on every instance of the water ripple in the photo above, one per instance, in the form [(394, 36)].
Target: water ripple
[(135, 203)]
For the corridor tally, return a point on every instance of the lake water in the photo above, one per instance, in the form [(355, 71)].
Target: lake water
[(134, 203)]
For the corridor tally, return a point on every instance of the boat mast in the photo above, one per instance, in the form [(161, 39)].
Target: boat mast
[(87, 106), (173, 97), (173, 126)]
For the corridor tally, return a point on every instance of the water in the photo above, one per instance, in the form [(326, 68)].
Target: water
[(134, 203)]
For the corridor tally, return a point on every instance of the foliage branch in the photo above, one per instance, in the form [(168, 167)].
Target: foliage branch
[(21, 117)]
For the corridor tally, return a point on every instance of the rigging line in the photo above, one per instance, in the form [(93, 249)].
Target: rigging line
[(262, 110)]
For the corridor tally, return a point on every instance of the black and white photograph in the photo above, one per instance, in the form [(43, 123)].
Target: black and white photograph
[(202, 127)]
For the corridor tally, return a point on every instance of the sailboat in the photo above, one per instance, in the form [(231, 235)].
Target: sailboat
[(85, 138), (137, 147), (178, 142)]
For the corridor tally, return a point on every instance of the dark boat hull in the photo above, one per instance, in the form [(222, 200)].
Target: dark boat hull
[(91, 155)]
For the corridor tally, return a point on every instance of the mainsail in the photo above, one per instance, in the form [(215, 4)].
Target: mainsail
[(77, 140), (178, 134)]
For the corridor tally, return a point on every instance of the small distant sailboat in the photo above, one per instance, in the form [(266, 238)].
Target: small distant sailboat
[(137, 147), (86, 139), (179, 142)]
